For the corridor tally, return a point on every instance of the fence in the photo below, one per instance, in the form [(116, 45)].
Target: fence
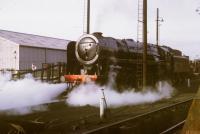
[(48, 72)]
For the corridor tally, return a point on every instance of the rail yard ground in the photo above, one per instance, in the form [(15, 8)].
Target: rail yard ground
[(61, 118)]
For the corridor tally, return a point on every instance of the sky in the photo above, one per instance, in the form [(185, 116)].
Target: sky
[(116, 18)]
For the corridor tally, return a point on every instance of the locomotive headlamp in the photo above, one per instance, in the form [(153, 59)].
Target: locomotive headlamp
[(87, 49)]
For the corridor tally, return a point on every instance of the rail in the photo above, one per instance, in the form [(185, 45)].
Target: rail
[(147, 122), (174, 128)]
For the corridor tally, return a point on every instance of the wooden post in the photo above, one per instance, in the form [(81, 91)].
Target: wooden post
[(52, 72), (64, 68), (157, 25), (34, 73), (48, 70), (42, 74), (59, 71), (18, 75), (145, 43)]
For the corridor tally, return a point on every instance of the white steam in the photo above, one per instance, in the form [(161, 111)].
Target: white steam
[(26, 92), (90, 94)]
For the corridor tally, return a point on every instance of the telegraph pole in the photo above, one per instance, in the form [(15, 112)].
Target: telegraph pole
[(144, 43), (158, 20), (157, 45), (88, 16), (157, 29)]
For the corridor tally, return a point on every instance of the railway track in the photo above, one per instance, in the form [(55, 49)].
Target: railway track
[(64, 119), (155, 121), (173, 129)]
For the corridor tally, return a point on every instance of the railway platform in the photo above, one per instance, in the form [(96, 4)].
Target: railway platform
[(193, 119)]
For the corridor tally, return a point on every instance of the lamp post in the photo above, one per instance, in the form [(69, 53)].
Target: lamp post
[(158, 20)]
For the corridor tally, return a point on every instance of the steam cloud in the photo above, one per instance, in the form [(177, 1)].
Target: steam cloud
[(90, 94), (26, 92)]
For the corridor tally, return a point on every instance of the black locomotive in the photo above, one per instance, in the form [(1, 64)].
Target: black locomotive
[(94, 54)]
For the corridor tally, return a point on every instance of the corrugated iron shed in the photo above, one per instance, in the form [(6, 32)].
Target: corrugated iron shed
[(34, 40)]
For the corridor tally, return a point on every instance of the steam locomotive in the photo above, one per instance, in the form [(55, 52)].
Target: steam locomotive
[(95, 56)]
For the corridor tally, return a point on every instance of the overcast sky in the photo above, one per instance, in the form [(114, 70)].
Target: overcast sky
[(116, 18)]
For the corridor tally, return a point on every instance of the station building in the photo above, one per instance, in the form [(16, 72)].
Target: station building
[(19, 51)]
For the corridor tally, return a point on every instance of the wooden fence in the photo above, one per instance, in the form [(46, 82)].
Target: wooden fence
[(48, 72)]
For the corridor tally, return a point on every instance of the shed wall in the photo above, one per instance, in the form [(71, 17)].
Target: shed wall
[(29, 56), (37, 56), (9, 54), (54, 56)]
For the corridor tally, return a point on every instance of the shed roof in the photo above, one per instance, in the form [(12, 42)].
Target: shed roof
[(34, 40)]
